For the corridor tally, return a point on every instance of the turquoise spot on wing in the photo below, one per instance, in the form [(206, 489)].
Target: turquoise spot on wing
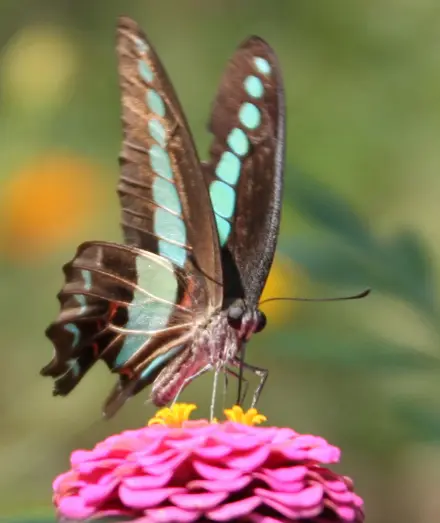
[(155, 103), (160, 162), (157, 278), (145, 71), (87, 277), (223, 229), (238, 141), (74, 367), (228, 168), (145, 312), (81, 299), (142, 316), (165, 195), (132, 343), (142, 47), (157, 131), (73, 329), (254, 86), (249, 115), (159, 361), (169, 226), (222, 198), (172, 252), (262, 65)]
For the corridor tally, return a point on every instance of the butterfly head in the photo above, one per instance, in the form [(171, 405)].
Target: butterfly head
[(245, 320)]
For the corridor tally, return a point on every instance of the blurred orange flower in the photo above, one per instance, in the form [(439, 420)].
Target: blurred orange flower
[(46, 203)]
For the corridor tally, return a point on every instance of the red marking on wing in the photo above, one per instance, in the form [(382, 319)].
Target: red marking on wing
[(187, 297), (113, 308), (95, 348)]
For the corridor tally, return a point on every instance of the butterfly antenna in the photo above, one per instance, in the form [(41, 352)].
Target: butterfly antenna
[(358, 296)]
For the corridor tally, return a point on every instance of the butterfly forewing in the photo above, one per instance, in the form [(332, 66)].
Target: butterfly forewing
[(245, 169), (164, 197), (128, 307)]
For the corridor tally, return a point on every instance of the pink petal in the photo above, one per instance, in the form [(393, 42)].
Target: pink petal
[(146, 459), (149, 448), (280, 486), (167, 514), (231, 485), (328, 454), (233, 510), (282, 435), (93, 494), (214, 452), (143, 499), (259, 518), (263, 434), (287, 474), (188, 443), (310, 441), (217, 473), (79, 456), (250, 461), (311, 448), (237, 441), (68, 479), (147, 482), (334, 485), (346, 513), (310, 496), (73, 507), (291, 514), (199, 501), (341, 498), (357, 501), (114, 512), (294, 454), (166, 466), (89, 467)]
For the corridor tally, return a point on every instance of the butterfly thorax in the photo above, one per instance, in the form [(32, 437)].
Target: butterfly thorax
[(215, 345)]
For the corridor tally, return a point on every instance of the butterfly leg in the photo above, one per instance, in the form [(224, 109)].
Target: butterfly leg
[(258, 371), (225, 388), (214, 393), (240, 401), (206, 368), (240, 374)]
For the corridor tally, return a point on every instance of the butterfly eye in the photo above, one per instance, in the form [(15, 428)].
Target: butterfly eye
[(261, 322), (235, 316)]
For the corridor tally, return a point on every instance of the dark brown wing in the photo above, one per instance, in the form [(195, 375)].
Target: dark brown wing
[(130, 308), (245, 169), (165, 202)]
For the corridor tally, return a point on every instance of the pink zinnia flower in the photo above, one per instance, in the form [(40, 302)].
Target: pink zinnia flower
[(176, 470)]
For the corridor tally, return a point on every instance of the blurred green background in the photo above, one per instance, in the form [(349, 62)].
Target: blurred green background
[(361, 208)]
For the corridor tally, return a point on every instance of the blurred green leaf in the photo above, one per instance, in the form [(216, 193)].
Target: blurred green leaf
[(407, 248), (362, 352), (424, 422), (328, 210), (401, 266), (328, 260)]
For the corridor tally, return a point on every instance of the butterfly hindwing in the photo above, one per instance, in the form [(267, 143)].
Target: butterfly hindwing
[(245, 169), (128, 307), (164, 197)]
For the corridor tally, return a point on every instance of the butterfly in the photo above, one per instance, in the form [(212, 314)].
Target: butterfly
[(180, 296)]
